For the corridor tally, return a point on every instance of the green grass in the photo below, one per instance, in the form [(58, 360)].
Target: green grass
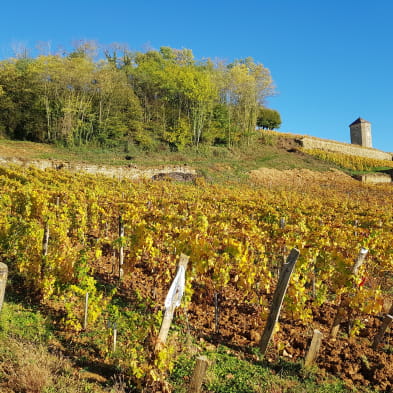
[(91, 155), (30, 360), (24, 323), (373, 170), (227, 373), (216, 164)]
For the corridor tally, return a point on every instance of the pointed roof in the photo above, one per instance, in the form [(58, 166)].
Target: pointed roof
[(358, 121)]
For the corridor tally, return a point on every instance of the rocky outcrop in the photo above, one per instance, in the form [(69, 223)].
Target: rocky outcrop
[(176, 176)]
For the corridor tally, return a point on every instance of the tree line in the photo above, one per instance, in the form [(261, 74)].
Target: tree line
[(162, 97)]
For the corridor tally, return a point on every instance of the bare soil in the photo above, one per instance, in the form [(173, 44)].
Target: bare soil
[(241, 325)]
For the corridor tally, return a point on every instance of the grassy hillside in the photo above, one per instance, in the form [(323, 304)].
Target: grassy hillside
[(220, 164)]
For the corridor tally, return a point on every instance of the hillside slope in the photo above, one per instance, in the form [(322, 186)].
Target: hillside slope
[(216, 164)]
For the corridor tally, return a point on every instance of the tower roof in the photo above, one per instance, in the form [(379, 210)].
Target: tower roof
[(358, 121)]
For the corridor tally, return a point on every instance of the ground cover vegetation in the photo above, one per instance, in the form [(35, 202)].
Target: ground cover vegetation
[(59, 236), (159, 99)]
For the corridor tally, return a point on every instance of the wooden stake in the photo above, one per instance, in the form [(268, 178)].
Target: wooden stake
[(199, 374), (278, 298), (282, 223), (387, 320), (344, 303), (45, 244), (114, 337), (113, 259), (216, 313), (121, 251), (3, 282), (314, 348), (313, 286), (45, 240), (168, 316), (86, 310)]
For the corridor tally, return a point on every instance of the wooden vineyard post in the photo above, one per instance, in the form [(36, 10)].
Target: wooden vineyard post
[(121, 250), (114, 337), (45, 240), (387, 320), (283, 249), (313, 286), (45, 244), (278, 298), (199, 374), (216, 313), (86, 310), (341, 311), (3, 282), (314, 348), (170, 309)]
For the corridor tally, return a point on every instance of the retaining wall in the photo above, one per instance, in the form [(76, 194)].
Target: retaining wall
[(346, 148), (131, 172), (374, 178)]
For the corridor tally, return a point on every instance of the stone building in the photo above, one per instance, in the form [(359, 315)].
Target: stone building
[(361, 132)]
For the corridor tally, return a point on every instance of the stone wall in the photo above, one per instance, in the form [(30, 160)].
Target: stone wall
[(131, 172), (374, 178), (311, 143)]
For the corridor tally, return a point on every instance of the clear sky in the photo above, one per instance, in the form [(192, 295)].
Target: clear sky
[(331, 60)]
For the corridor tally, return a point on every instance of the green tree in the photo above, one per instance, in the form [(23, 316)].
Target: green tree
[(177, 95), (268, 119), (21, 115)]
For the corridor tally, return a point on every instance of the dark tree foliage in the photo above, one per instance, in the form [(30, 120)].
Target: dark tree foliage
[(268, 119)]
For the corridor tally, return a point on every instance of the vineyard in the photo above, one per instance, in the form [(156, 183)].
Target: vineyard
[(64, 235), (351, 162)]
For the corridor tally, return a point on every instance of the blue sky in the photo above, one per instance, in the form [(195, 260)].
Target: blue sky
[(332, 61)]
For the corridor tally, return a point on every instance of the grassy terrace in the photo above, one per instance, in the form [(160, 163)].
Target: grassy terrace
[(217, 164)]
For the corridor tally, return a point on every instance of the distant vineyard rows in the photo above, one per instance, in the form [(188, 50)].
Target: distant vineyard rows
[(356, 163)]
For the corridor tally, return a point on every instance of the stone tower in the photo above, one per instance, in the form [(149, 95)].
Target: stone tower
[(361, 132)]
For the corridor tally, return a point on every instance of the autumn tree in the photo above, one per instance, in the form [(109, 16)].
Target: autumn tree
[(157, 98), (176, 93), (245, 86), (85, 101)]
